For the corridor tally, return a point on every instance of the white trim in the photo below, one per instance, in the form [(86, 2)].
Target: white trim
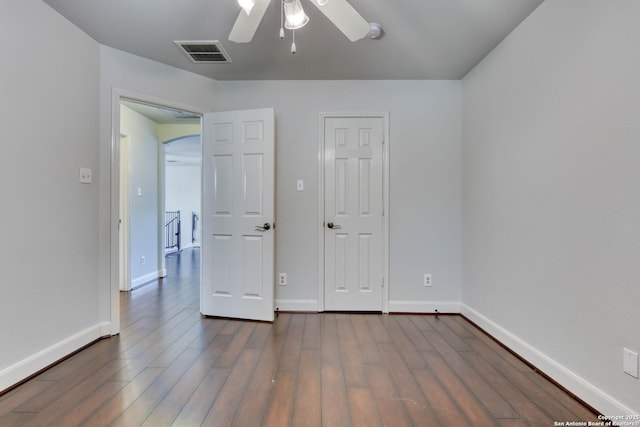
[(146, 278), (117, 95), (162, 208), (385, 201), (577, 385), (309, 305), (16, 373), (443, 307), (124, 156)]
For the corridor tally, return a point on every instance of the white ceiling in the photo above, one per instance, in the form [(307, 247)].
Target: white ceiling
[(424, 39)]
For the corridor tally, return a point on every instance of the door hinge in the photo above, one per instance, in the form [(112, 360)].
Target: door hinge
[(383, 281)]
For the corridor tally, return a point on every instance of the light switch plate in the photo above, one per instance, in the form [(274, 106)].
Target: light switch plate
[(84, 176), (300, 185), (630, 362)]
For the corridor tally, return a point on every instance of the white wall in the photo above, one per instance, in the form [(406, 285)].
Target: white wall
[(139, 78), (49, 251), (551, 202), (143, 195), (183, 176), (183, 194), (425, 180)]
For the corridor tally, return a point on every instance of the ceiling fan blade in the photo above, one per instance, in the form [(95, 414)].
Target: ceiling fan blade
[(345, 17), (246, 25)]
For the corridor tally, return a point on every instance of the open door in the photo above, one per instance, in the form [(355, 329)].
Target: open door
[(238, 244)]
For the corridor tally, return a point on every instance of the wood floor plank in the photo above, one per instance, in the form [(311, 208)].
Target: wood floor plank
[(174, 402), (171, 366), (74, 387), (514, 423), (15, 419), (335, 408), (465, 398), (311, 338), (420, 322), (366, 340), (378, 328), (280, 408), (259, 336), (409, 393), (307, 410), (484, 392), (251, 409), (230, 355), (446, 411), (491, 344), (390, 405), (413, 333), (456, 327), (447, 333), (112, 409), (199, 403), (139, 410), (407, 349), (524, 407), (576, 408), (352, 358), (533, 392), (362, 406), (179, 345), (290, 357), (79, 412), (330, 350), (224, 407), (71, 365), (22, 394)]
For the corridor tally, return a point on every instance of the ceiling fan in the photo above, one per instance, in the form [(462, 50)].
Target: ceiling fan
[(340, 12)]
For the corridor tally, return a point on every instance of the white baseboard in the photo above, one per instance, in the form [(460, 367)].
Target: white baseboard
[(22, 370), (145, 279), (297, 305), (424, 307), (577, 385)]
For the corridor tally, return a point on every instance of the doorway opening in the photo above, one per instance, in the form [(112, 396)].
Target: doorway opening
[(151, 136)]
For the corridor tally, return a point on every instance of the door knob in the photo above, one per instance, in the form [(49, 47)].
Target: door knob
[(266, 226), (333, 226)]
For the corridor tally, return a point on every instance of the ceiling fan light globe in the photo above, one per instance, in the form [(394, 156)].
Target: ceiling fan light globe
[(294, 16), (247, 5)]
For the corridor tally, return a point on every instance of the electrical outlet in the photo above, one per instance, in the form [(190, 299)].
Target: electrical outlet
[(427, 280), (84, 176), (282, 279), (630, 362), (142, 260)]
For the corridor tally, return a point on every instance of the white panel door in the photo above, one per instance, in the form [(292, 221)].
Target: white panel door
[(238, 169), (353, 213)]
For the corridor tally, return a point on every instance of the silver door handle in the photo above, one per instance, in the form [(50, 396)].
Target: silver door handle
[(265, 227)]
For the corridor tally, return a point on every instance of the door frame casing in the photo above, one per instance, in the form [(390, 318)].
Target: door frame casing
[(124, 274), (385, 200)]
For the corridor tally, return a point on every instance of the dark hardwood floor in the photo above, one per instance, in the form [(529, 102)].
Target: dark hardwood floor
[(170, 366)]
